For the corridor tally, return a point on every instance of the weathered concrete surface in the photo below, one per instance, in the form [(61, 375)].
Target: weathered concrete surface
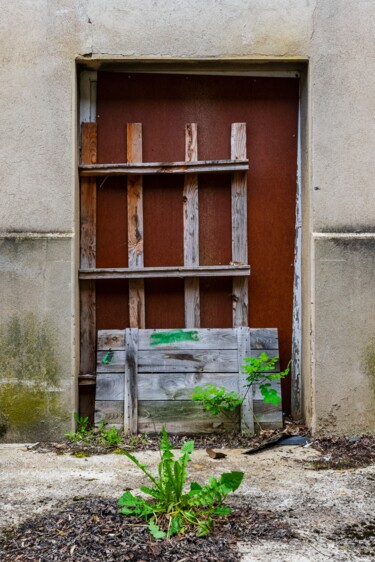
[(314, 503), (345, 277), (39, 43), (35, 361)]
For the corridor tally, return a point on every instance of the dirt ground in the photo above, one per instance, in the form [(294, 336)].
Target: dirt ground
[(331, 512)]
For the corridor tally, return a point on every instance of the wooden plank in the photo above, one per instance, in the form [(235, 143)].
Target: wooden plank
[(130, 383), (191, 229), (165, 272), (135, 227), (110, 386), (247, 412), (149, 168), (110, 410), (111, 339), (88, 252), (187, 361), (264, 338), (179, 386), (239, 225), (183, 417), (267, 416), (204, 338), (115, 366)]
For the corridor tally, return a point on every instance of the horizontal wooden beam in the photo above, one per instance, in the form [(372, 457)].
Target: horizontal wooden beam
[(166, 272), (199, 167)]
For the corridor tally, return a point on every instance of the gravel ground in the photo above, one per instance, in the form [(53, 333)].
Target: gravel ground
[(330, 512)]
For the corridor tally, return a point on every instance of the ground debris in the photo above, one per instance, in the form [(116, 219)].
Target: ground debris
[(94, 530), (344, 452)]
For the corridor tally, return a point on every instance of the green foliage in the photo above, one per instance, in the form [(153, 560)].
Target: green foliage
[(171, 510), (216, 399), (258, 372), (111, 436), (83, 431)]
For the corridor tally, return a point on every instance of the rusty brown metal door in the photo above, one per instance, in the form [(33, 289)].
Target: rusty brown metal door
[(164, 104)]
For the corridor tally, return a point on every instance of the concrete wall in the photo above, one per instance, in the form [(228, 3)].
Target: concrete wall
[(40, 41)]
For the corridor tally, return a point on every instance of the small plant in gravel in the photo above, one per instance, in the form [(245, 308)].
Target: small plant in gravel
[(217, 400), (172, 510), (83, 430), (111, 436)]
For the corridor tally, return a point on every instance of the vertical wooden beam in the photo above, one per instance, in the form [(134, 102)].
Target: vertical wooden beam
[(130, 386), (191, 229), (135, 227), (247, 409), (87, 260), (239, 225)]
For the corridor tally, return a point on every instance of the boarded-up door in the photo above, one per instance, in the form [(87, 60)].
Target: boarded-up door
[(164, 104)]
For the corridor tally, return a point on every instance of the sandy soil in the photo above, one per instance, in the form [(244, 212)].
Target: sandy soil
[(321, 506)]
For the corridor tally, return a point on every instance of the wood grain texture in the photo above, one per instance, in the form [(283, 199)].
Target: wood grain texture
[(110, 386), (191, 229), (179, 386), (110, 410), (150, 168), (188, 361), (183, 417), (239, 225), (130, 384), (135, 227), (264, 338), (88, 251), (111, 339), (165, 272), (247, 411)]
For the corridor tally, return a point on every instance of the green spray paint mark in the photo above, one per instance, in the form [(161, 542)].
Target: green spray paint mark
[(162, 338)]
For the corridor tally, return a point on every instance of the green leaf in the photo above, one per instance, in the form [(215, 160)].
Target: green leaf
[(150, 491), (128, 499), (176, 524), (155, 530), (232, 480), (222, 510), (270, 395)]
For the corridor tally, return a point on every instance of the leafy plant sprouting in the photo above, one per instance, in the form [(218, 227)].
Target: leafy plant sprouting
[(216, 399), (171, 510), (110, 436), (83, 430)]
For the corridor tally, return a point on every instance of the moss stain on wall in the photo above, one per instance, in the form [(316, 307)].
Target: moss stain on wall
[(369, 363), (30, 401)]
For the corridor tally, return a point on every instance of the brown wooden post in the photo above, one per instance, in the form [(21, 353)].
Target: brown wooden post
[(135, 227), (239, 225), (191, 229), (88, 260)]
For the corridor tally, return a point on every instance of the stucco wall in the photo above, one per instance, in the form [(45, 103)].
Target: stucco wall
[(40, 41)]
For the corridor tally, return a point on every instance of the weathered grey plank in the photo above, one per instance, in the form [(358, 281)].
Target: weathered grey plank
[(185, 361), (117, 364), (264, 338), (191, 229), (111, 339), (147, 168), (240, 303), (130, 384), (267, 416), (183, 417), (110, 410), (204, 338), (247, 419), (110, 386), (179, 386), (88, 252), (165, 272), (239, 225)]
